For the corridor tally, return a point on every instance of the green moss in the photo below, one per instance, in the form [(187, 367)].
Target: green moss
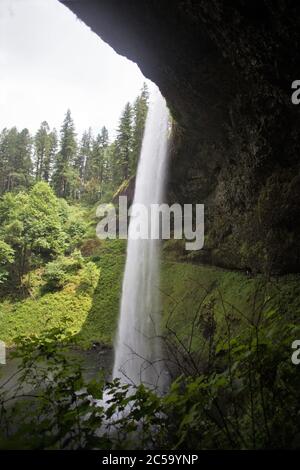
[(90, 315), (188, 290), (101, 322), (63, 309)]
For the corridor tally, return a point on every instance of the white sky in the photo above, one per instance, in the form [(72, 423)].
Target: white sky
[(51, 61)]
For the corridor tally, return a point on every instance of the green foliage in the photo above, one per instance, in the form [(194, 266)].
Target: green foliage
[(129, 138), (91, 302), (75, 228), (88, 170), (77, 258), (246, 399), (65, 411), (101, 322), (30, 223), (6, 259), (73, 219), (82, 160), (45, 147), (6, 253), (56, 273), (89, 278), (48, 310), (64, 177), (61, 415), (38, 227), (140, 109), (238, 403), (123, 151), (15, 160), (184, 289), (97, 171)]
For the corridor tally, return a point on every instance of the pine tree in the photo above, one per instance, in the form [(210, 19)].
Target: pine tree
[(15, 159), (83, 164), (97, 166), (104, 137), (41, 150), (64, 176), (4, 160), (140, 109), (45, 145), (23, 164), (50, 156), (123, 151), (108, 166), (99, 155)]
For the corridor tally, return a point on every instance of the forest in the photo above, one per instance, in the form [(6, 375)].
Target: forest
[(225, 334), (76, 169), (84, 171), (220, 325)]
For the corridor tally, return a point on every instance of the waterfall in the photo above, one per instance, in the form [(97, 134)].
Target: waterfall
[(138, 352)]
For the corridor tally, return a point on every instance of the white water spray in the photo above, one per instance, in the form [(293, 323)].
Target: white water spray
[(138, 354)]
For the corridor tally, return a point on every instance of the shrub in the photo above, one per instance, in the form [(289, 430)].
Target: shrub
[(6, 253), (56, 272), (75, 229), (89, 278), (55, 275), (77, 258), (6, 258)]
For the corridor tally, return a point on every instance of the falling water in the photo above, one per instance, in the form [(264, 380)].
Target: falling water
[(138, 355)]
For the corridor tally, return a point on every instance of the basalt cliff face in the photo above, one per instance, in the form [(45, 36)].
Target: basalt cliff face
[(226, 69)]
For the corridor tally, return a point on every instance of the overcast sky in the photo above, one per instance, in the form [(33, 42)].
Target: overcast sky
[(51, 61)]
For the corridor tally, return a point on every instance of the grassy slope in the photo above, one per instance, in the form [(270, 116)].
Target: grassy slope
[(188, 289), (185, 288), (101, 321), (90, 316)]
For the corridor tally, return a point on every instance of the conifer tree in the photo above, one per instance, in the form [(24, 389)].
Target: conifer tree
[(24, 156), (41, 150), (123, 151), (104, 137), (15, 159), (4, 160), (99, 155), (140, 109), (97, 166), (84, 163), (64, 176), (50, 157)]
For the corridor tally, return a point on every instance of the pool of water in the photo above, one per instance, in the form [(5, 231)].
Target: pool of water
[(92, 361)]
